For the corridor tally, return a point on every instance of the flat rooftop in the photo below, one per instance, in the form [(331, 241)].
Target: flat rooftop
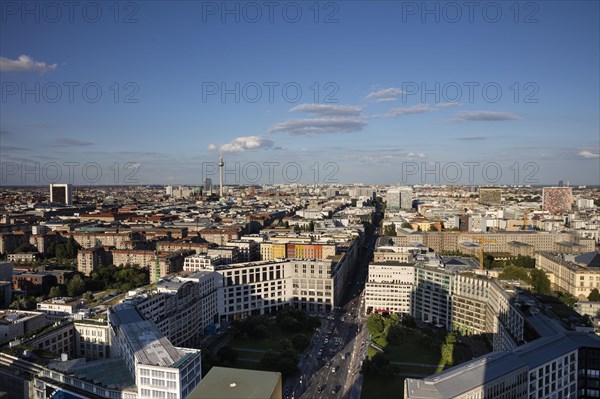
[(231, 383)]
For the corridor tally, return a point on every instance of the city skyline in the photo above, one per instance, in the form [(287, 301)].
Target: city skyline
[(388, 91)]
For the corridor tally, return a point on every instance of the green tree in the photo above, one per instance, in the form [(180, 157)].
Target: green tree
[(88, 296), (540, 282), (56, 292), (26, 247), (447, 354), (524, 261), (567, 299), (515, 273), (300, 342), (72, 247), (395, 334), (375, 324), (594, 295), (406, 225), (390, 230), (311, 226), (433, 228), (408, 321), (75, 286), (227, 355), (285, 345)]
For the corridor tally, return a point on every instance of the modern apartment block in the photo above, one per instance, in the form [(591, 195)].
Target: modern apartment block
[(570, 273), (447, 297), (564, 365), (399, 198), (181, 308), (557, 200)]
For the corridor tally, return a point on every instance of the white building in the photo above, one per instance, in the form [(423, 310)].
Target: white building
[(160, 369), (389, 287), (199, 262), (59, 308)]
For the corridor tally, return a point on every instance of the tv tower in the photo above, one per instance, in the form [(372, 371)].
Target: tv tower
[(221, 164)]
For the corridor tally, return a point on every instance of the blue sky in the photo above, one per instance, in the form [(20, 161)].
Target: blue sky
[(371, 92)]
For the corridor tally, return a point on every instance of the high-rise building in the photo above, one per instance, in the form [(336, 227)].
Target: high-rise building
[(399, 198), (169, 190), (490, 196), (61, 193), (208, 186), (557, 200)]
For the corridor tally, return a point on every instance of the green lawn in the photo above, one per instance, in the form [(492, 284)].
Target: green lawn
[(378, 387), (409, 351)]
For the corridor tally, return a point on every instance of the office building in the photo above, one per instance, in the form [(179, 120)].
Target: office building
[(389, 287), (61, 193), (208, 186)]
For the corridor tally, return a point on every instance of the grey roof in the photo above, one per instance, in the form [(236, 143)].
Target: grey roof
[(231, 383), (486, 369), (591, 259), (150, 346), (148, 343)]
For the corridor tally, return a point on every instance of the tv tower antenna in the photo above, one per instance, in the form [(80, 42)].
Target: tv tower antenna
[(221, 164)]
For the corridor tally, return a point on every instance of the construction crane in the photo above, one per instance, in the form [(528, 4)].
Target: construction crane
[(481, 241)]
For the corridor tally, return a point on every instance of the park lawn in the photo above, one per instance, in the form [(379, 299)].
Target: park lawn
[(409, 351), (378, 387)]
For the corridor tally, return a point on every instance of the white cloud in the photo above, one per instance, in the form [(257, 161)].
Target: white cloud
[(25, 64), (241, 144), (485, 116), (389, 92), (319, 126), (328, 109), (588, 154), (420, 108), (416, 109), (386, 100), (416, 155), (212, 147)]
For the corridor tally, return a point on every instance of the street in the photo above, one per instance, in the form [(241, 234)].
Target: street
[(331, 367)]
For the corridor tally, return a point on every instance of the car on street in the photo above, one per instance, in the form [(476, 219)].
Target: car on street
[(336, 389), (321, 388)]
